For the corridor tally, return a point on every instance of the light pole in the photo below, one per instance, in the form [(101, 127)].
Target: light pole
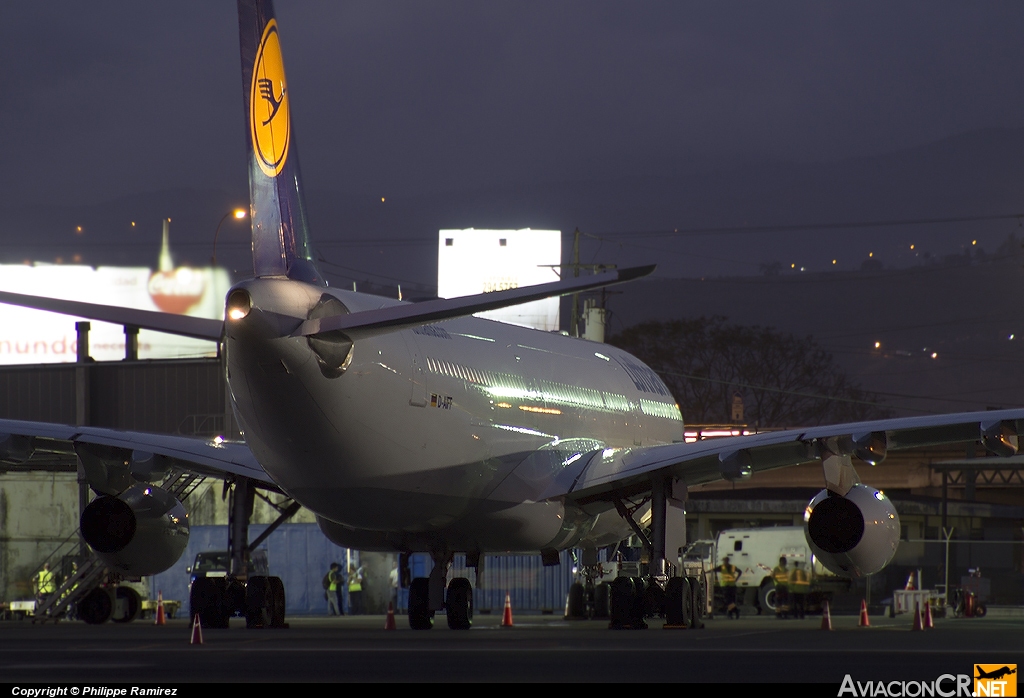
[(238, 213)]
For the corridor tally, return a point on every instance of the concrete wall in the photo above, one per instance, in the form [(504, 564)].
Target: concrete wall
[(38, 511)]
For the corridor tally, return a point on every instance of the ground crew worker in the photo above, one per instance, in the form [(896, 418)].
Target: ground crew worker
[(332, 591), (46, 583), (781, 576), (728, 574), (355, 590), (799, 585)]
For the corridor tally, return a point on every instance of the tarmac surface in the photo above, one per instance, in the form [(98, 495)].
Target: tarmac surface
[(537, 648)]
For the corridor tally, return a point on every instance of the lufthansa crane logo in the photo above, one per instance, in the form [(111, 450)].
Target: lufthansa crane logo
[(269, 120)]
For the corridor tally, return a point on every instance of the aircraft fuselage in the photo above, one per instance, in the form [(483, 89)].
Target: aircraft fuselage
[(446, 434)]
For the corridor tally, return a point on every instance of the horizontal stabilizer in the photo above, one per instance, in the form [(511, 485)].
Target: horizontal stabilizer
[(171, 323), (372, 322)]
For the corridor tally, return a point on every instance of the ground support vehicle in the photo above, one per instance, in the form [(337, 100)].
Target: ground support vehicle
[(756, 552)]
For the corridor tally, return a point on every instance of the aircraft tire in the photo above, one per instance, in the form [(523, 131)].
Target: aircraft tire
[(131, 602), (677, 591), (626, 604), (420, 615), (96, 607), (459, 604), (575, 608), (601, 592), (278, 597), (259, 602), (206, 600)]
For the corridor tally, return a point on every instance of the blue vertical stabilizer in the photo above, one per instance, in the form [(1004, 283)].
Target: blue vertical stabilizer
[(280, 234)]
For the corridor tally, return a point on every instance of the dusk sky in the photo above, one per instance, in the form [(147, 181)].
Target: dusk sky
[(414, 99), (111, 98)]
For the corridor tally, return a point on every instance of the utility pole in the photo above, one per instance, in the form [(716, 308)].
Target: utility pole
[(574, 323)]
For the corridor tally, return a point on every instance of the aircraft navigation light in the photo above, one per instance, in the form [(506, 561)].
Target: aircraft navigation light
[(833, 261), (878, 345), (974, 242), (871, 254), (239, 304), (1011, 336), (239, 213), (935, 355), (911, 247)]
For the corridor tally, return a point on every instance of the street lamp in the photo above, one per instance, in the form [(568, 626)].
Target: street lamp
[(239, 214)]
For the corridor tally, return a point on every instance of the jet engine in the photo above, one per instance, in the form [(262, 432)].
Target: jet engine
[(852, 535), (143, 530)]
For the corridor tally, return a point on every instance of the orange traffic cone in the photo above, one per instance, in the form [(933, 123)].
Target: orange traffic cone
[(826, 618), (917, 617), (389, 623), (864, 622), (910, 583), (161, 619), (197, 632), (928, 623), (506, 620)]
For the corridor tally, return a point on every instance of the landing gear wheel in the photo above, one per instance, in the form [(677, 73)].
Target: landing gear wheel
[(127, 605), (278, 606), (421, 617), (601, 600), (459, 604), (626, 604), (980, 610), (259, 602), (575, 606), (677, 603), (206, 600), (96, 607)]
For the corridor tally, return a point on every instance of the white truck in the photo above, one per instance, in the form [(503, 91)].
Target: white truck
[(756, 552)]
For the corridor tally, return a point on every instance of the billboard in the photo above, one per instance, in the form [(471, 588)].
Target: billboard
[(480, 261), (33, 336)]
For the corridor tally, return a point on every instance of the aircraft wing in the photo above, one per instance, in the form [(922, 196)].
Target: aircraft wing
[(21, 440), (615, 473), (172, 323)]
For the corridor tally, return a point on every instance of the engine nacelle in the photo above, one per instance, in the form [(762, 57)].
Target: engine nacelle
[(855, 535), (143, 530)]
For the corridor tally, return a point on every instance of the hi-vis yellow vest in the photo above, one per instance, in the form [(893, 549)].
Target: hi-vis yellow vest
[(727, 575), (798, 581), (781, 576)]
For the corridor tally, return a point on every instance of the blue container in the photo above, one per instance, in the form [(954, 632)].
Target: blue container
[(531, 587)]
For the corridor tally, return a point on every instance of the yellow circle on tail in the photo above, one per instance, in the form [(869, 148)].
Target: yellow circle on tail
[(269, 117)]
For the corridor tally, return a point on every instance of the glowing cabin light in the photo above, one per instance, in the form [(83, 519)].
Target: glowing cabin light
[(911, 247), (974, 242), (503, 405), (878, 345), (871, 254), (792, 266), (833, 261), (935, 355), (539, 410)]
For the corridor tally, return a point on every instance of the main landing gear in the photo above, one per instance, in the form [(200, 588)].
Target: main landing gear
[(427, 596), (678, 596)]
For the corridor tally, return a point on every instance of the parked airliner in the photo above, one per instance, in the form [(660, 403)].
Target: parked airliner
[(416, 427)]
